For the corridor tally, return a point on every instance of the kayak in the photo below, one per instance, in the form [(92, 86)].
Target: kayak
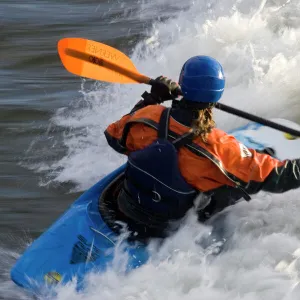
[(84, 239)]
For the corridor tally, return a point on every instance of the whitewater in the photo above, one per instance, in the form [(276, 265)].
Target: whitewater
[(257, 42)]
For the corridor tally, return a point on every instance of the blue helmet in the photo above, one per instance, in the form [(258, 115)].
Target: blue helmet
[(202, 79)]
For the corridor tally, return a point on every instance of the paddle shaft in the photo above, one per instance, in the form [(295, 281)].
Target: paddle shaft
[(250, 117), (257, 119), (76, 48)]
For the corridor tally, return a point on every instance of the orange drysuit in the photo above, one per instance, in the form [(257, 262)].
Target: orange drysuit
[(223, 165)]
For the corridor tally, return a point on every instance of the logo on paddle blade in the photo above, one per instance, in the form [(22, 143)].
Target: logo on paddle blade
[(97, 61), (83, 251)]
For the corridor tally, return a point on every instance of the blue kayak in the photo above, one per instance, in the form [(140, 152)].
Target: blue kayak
[(78, 242), (83, 239)]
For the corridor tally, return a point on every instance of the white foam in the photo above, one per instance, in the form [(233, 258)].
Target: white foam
[(263, 236), (258, 45), (260, 60)]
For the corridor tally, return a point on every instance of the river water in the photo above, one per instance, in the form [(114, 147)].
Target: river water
[(51, 126)]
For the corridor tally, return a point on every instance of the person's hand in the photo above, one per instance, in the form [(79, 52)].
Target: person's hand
[(164, 89)]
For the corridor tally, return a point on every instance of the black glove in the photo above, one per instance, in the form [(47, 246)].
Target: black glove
[(164, 89)]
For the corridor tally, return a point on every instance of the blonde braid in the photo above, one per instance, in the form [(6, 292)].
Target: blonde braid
[(204, 124)]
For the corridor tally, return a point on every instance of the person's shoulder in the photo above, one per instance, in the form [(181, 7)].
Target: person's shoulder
[(150, 112), (218, 136), (218, 133)]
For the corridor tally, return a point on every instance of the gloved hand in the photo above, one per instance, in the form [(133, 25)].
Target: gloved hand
[(164, 89)]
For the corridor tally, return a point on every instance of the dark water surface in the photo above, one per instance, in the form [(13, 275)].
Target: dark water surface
[(33, 85)]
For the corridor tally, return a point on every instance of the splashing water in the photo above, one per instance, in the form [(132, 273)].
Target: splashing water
[(257, 43)]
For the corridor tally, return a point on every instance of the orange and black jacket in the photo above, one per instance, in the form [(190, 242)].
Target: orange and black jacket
[(222, 167)]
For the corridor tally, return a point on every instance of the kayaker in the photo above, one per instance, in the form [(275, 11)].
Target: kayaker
[(178, 159)]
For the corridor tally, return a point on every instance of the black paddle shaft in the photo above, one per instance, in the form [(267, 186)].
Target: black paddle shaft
[(256, 119), (246, 115)]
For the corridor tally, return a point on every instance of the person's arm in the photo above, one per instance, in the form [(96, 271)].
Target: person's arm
[(148, 99), (161, 90), (283, 177), (260, 171), (114, 132)]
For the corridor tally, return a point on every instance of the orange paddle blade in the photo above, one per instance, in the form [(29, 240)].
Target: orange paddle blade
[(98, 61)]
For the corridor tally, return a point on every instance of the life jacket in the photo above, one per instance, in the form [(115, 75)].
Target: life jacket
[(156, 192)]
